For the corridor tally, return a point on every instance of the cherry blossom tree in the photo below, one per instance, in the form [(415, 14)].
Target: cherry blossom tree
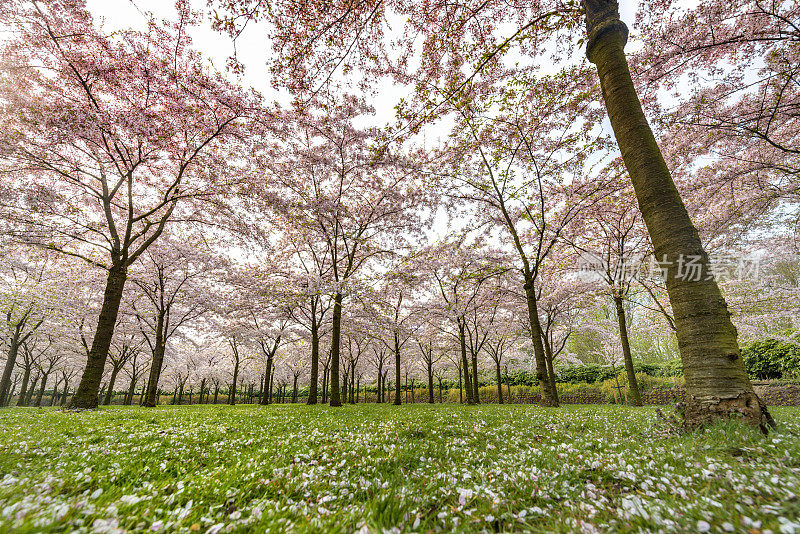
[(447, 46), (108, 139), (172, 293), (358, 202)]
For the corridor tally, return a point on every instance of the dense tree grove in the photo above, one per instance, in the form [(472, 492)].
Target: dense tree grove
[(541, 198)]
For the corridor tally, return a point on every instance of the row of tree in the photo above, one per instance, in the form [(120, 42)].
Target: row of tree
[(306, 228)]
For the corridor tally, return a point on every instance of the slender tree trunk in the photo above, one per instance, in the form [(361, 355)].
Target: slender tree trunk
[(551, 372), (508, 386), (460, 390), (86, 396), (65, 394), (294, 390), (380, 382), (314, 378), (465, 364), (216, 392), (440, 391), (430, 381), (202, 390), (344, 388), (159, 348), (324, 385), (717, 385), (335, 342), (268, 378), (32, 390), (636, 397), (499, 384), (397, 400), (545, 387), (54, 395), (232, 399), (131, 391), (475, 385), (41, 390), (24, 389), (110, 390), (271, 383)]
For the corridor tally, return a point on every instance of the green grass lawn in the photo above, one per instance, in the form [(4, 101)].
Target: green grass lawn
[(405, 469)]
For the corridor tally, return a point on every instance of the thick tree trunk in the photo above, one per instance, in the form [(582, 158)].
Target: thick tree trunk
[(11, 359), (110, 391), (499, 385), (86, 396), (336, 334), (717, 385), (397, 400), (202, 390), (635, 396), (216, 393), (547, 390)]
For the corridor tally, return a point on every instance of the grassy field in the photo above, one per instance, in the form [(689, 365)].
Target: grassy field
[(415, 468)]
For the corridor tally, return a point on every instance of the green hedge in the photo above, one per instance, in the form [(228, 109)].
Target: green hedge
[(600, 373), (769, 359)]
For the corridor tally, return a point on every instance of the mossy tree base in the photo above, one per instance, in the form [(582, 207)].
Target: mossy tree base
[(747, 407)]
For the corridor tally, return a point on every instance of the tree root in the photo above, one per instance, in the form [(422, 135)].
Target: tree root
[(746, 407)]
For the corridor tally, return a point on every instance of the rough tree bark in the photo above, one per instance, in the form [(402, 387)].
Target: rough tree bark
[(717, 385), (85, 396)]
